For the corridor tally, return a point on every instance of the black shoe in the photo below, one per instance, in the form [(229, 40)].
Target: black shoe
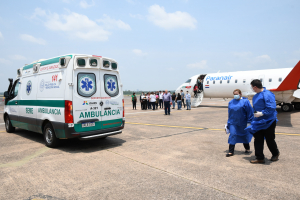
[(275, 158), (169, 114), (229, 154), (165, 114), (247, 151)]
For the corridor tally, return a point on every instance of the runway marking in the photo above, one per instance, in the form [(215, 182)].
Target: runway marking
[(26, 159), (198, 128), (174, 174)]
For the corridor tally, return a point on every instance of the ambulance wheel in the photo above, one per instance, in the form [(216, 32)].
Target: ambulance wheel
[(49, 136), (287, 107), (8, 126), (297, 106)]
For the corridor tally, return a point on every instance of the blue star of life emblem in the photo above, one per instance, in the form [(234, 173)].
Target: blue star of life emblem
[(87, 84), (111, 85), (28, 87)]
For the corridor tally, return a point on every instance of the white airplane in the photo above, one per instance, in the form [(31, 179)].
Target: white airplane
[(284, 83)]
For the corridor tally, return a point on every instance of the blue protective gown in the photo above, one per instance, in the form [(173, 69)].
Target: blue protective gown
[(263, 102), (240, 113)]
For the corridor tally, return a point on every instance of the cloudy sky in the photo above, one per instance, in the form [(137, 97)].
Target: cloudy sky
[(158, 44)]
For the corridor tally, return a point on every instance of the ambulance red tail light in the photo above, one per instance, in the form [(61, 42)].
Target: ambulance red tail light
[(123, 108), (68, 112)]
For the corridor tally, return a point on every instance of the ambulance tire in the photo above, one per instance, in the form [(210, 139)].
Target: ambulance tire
[(297, 106), (49, 136), (8, 126)]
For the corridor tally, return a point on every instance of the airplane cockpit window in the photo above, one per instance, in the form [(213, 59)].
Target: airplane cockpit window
[(214, 82), (236, 80), (188, 81), (280, 79), (270, 80), (228, 81), (220, 81)]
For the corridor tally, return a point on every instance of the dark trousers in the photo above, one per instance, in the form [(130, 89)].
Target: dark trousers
[(153, 105), (144, 105), (156, 105), (149, 104), (161, 105), (231, 147), (134, 104), (183, 102), (259, 140), (167, 107)]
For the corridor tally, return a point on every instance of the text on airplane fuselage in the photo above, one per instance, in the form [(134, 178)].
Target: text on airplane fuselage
[(215, 78)]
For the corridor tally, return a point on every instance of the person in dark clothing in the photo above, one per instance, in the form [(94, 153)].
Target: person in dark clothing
[(173, 99), (133, 99), (178, 100), (195, 90)]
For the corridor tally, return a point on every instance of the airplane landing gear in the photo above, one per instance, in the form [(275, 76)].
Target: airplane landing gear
[(287, 107)]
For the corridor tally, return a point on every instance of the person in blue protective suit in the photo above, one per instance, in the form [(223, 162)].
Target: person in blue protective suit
[(240, 113), (263, 125)]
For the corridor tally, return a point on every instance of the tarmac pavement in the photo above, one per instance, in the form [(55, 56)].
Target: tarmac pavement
[(181, 156)]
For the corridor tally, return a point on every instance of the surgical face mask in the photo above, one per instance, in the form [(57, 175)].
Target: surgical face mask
[(252, 89), (237, 96)]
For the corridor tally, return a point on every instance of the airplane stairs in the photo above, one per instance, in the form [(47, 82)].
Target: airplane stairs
[(196, 101)]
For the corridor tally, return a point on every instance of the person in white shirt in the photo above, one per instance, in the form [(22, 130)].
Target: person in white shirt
[(152, 100), (161, 105)]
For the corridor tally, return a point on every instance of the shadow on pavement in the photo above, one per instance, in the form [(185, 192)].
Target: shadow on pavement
[(212, 106), (75, 145)]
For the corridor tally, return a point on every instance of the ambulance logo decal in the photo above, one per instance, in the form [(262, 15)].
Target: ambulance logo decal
[(87, 85), (28, 87), (111, 85)]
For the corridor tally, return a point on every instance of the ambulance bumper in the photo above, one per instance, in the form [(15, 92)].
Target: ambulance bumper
[(90, 137)]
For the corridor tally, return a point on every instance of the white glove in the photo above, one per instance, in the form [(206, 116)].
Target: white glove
[(226, 129), (258, 114)]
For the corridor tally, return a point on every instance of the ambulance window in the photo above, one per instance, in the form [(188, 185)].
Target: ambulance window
[(207, 82), (93, 62), (111, 85), (228, 81), (86, 84), (16, 90), (114, 66), (214, 82), (106, 63), (220, 81), (236, 80), (62, 62), (270, 80), (81, 62), (188, 81), (280, 79)]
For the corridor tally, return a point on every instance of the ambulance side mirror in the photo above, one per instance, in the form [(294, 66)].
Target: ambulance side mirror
[(64, 61), (6, 94)]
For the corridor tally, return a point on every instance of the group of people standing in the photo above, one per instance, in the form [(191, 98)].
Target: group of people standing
[(163, 99), (245, 122)]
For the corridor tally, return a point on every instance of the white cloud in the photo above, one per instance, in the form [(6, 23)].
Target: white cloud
[(137, 16), (178, 19), (32, 39), (263, 58), (1, 36), (200, 65), (84, 4), (131, 1), (138, 52), (4, 61), (110, 23), (38, 12), (80, 26), (18, 57)]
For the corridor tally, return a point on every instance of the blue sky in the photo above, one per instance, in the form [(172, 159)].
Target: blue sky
[(158, 44)]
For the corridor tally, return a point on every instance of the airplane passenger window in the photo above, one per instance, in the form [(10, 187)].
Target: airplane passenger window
[(244, 81), (235, 80), (220, 81), (228, 81), (207, 82), (214, 82), (188, 81), (261, 80), (270, 80), (280, 79)]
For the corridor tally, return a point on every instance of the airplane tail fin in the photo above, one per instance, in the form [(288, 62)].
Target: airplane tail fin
[(292, 81)]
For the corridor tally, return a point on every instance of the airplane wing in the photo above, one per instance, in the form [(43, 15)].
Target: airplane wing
[(291, 82)]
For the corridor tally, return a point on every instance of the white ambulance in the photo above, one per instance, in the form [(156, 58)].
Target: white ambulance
[(70, 96)]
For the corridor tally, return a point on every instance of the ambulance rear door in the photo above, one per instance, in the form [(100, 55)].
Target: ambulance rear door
[(111, 94), (86, 94)]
